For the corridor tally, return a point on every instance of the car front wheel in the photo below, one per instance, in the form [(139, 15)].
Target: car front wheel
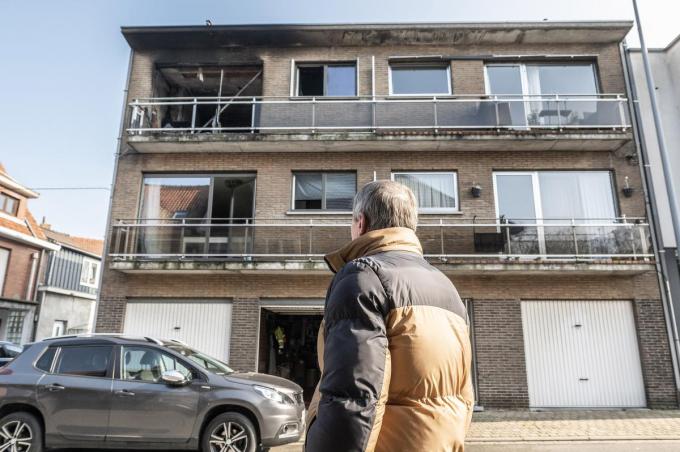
[(20, 432), (229, 432)]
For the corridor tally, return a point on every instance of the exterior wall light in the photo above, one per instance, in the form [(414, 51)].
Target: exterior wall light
[(627, 189), (476, 190)]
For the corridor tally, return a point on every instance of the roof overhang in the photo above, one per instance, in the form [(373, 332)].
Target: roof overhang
[(13, 185), (27, 239), (297, 35)]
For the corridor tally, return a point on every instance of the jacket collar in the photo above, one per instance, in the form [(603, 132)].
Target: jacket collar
[(390, 239)]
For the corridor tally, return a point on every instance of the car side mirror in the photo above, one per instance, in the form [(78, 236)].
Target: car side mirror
[(174, 378)]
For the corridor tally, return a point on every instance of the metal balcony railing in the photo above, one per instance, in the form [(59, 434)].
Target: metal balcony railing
[(360, 114), (442, 239)]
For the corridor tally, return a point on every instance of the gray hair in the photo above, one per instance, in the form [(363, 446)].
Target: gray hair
[(386, 204)]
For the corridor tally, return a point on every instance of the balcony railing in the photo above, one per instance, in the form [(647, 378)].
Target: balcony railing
[(359, 114), (443, 239)]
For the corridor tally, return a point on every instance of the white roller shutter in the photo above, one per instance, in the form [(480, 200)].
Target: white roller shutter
[(203, 325), (582, 354)]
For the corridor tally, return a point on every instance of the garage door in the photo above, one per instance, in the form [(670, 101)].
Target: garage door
[(204, 325), (582, 354)]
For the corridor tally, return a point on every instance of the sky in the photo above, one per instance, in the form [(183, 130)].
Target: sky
[(63, 65)]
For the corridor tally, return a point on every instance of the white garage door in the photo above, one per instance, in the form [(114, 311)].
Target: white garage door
[(582, 354), (203, 325)]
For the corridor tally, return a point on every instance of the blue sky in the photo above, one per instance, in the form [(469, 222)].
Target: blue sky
[(63, 67)]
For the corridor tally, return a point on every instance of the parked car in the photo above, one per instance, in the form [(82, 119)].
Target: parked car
[(117, 392), (8, 352)]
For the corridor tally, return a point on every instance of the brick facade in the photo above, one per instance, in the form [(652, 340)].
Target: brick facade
[(496, 295)]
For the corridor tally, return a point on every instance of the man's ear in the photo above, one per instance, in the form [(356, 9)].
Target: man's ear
[(362, 224)]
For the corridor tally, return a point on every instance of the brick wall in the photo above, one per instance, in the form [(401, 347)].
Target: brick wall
[(18, 274), (245, 321)]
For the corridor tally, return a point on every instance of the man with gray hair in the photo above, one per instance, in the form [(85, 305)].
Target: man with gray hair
[(394, 348)]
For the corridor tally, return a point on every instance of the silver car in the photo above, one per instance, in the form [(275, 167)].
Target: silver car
[(117, 392)]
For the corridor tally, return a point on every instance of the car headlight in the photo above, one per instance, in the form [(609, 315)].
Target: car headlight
[(273, 394)]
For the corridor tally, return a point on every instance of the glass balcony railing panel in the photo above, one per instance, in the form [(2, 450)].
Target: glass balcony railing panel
[(592, 112), (271, 116), (342, 114), (396, 114), (466, 113)]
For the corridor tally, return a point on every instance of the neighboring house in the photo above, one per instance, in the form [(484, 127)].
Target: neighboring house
[(23, 253), (665, 66), (68, 293), (243, 147)]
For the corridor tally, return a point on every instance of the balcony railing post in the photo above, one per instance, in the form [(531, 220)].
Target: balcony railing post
[(313, 114), (507, 237), (373, 114), (622, 113), (193, 115), (441, 236), (127, 240), (245, 238), (498, 117), (559, 112), (644, 246), (311, 237), (116, 240), (574, 237), (436, 119), (252, 115)]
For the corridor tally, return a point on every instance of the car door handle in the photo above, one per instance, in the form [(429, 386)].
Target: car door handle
[(54, 387), (124, 393)]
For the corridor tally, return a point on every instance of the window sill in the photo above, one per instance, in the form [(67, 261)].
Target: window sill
[(453, 212), (319, 212)]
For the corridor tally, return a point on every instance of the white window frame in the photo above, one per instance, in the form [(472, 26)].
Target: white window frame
[(431, 65), (59, 325), (85, 272), (525, 79), (437, 210), (323, 192), (6, 255), (4, 198), (325, 64)]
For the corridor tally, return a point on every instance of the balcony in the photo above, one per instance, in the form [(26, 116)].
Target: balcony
[(446, 123), (283, 245)]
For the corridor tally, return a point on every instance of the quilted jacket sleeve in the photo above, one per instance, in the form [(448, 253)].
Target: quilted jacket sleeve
[(356, 364)]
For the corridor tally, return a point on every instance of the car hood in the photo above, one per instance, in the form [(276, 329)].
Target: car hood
[(264, 380)]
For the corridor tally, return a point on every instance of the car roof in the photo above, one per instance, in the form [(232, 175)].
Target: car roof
[(107, 338)]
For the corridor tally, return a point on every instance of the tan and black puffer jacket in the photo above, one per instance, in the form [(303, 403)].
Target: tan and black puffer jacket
[(394, 352)]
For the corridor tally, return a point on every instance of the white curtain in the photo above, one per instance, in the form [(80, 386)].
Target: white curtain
[(583, 195), (432, 191)]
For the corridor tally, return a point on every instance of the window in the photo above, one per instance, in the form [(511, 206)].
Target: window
[(147, 364), (555, 195), (4, 264), (45, 361), (324, 191), (59, 328), (10, 351), (326, 80), (436, 192), (89, 274), (9, 204), (15, 326), (419, 79), (85, 361)]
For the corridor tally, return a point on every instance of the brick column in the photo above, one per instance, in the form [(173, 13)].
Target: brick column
[(111, 315), (655, 354), (245, 313), (501, 366)]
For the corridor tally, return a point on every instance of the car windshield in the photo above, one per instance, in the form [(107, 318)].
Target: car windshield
[(207, 362)]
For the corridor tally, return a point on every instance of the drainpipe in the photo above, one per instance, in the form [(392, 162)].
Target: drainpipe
[(32, 277), (651, 207), (108, 231)]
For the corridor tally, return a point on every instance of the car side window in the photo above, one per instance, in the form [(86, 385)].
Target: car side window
[(85, 360), (45, 361), (148, 364)]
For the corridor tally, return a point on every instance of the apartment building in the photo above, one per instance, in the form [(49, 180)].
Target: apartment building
[(23, 253), (242, 147)]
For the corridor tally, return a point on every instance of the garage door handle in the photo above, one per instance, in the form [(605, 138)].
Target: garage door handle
[(125, 393), (583, 379), (54, 387)]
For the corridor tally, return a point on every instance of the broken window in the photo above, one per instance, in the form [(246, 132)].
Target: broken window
[(207, 84), (327, 80), (420, 79)]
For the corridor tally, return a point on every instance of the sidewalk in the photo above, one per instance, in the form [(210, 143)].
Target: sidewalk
[(562, 427)]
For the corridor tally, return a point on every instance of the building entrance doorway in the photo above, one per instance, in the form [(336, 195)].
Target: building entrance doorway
[(288, 347)]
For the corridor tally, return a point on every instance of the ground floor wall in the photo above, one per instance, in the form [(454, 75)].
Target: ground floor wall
[(16, 321), (495, 298), (76, 313)]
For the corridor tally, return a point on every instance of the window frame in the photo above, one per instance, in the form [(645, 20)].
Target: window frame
[(525, 78), (447, 67), (3, 276), (325, 65), (323, 191), (436, 210), (4, 198), (56, 361), (118, 364), (84, 272), (536, 187)]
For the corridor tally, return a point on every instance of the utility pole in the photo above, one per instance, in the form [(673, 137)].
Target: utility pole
[(658, 126)]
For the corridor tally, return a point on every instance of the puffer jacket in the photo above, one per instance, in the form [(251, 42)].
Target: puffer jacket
[(394, 351)]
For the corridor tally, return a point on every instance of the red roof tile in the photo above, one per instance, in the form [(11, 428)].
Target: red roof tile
[(92, 246)]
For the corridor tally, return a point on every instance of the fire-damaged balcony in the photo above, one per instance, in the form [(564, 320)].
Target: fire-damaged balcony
[(283, 245), (526, 122)]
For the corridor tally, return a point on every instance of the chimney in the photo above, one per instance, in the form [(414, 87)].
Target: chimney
[(45, 225)]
